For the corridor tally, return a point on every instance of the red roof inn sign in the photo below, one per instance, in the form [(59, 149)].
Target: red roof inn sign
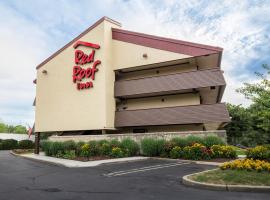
[(81, 58)]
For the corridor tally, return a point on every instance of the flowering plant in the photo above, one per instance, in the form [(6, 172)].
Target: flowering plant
[(247, 164)]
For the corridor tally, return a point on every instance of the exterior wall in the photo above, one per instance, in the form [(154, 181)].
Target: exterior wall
[(131, 55), (161, 101), (139, 136), (59, 105)]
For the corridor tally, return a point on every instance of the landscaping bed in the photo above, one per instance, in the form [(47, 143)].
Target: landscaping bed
[(233, 177), (191, 148), (238, 175)]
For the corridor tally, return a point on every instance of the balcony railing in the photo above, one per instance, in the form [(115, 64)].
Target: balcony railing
[(168, 84), (195, 114)]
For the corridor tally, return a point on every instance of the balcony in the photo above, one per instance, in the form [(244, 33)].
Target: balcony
[(196, 114), (168, 84)]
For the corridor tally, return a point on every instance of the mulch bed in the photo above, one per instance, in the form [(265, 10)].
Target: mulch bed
[(83, 159), (22, 151)]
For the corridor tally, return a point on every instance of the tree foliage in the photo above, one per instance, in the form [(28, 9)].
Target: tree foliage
[(251, 126), (5, 128)]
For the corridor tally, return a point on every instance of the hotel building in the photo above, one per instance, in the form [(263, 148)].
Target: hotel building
[(110, 80)]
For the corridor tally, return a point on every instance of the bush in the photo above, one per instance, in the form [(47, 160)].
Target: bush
[(85, 150), (181, 142), (130, 147), (9, 144), (114, 143), (69, 145), (152, 147), (57, 149), (69, 154), (209, 141), (117, 152), (191, 139), (258, 152), (197, 152), (176, 152), (78, 148), (46, 147), (93, 148), (26, 144), (167, 147), (104, 148), (222, 151)]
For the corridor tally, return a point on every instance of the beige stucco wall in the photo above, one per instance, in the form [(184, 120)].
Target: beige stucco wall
[(59, 105), (127, 55), (156, 102)]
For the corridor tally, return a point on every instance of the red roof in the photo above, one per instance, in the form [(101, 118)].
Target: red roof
[(167, 44)]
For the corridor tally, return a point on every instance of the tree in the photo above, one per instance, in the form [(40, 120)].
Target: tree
[(251, 126), (20, 129), (3, 128), (259, 94)]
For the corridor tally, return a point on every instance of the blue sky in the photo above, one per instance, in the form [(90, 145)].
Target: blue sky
[(30, 31)]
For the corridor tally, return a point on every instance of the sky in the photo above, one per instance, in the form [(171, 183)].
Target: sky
[(30, 31)]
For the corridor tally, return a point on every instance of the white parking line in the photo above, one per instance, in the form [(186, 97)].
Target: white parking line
[(142, 169)]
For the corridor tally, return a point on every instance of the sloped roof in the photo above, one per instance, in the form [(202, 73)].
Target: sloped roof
[(78, 37), (167, 44)]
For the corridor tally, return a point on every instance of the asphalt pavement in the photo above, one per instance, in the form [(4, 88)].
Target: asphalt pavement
[(22, 179)]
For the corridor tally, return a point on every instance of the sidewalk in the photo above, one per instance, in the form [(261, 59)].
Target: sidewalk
[(75, 163)]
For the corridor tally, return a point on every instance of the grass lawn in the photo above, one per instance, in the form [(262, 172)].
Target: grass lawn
[(234, 177)]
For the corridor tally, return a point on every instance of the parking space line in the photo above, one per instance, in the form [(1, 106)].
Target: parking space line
[(142, 169)]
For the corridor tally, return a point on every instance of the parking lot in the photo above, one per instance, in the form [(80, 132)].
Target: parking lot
[(148, 179)]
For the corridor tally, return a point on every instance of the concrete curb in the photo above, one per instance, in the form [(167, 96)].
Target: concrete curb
[(191, 161), (231, 188), (75, 163)]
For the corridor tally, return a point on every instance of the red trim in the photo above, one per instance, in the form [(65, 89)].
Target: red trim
[(87, 44), (177, 46), (77, 38)]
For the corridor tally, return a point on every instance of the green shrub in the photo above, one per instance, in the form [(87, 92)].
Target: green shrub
[(78, 148), (46, 147), (129, 147), (197, 152), (176, 152), (115, 143), (258, 152), (93, 148), (69, 145), (104, 148), (57, 148), (152, 147), (211, 140), (167, 148), (181, 142), (9, 144), (69, 154), (191, 139), (26, 144), (223, 151), (85, 150), (117, 152)]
